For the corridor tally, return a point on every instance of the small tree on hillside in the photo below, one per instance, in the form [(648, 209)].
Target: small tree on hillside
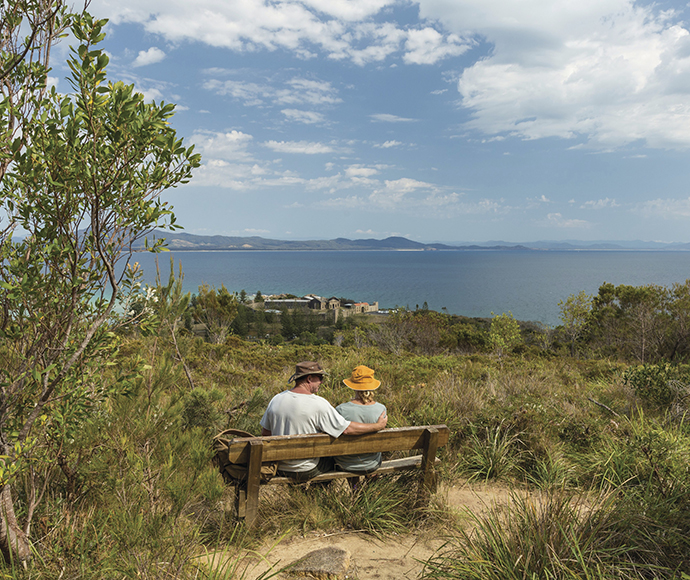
[(215, 308), (83, 187), (504, 334), (574, 314)]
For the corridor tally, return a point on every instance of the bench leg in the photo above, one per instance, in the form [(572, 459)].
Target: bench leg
[(428, 474), (241, 499), (253, 481)]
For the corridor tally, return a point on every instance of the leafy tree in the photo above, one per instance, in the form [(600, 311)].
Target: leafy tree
[(240, 326), (574, 314), (170, 304), (470, 336), (678, 334), (421, 332), (630, 321), (258, 297), (28, 29), (504, 334), (260, 323), (83, 186), (216, 309), (243, 297), (287, 324)]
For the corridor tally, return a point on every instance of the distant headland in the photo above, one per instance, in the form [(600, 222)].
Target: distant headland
[(180, 242)]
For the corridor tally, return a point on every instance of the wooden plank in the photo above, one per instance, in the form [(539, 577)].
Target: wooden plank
[(253, 480), (280, 448)]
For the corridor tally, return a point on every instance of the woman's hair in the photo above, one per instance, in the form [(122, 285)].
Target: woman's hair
[(365, 396)]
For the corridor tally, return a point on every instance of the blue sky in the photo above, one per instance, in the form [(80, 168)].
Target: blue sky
[(438, 120)]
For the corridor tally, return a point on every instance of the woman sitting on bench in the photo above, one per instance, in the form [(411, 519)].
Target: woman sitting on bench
[(364, 409)]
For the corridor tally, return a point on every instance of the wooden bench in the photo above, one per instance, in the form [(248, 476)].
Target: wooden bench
[(252, 452)]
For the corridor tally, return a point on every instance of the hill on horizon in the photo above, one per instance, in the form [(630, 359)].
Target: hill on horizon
[(193, 242)]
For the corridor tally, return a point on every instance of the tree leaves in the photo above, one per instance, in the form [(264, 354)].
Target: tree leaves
[(83, 185)]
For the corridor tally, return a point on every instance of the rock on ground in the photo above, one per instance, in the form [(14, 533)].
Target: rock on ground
[(330, 563)]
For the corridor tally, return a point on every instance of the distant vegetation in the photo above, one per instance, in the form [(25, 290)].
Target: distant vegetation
[(646, 324)]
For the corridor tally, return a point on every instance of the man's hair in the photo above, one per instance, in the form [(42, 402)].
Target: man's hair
[(304, 379)]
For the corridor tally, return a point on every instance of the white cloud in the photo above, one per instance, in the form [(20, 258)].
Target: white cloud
[(252, 94), (394, 191), (151, 94), (230, 146), (608, 72), (406, 184), (557, 220), (360, 171), (387, 118), (304, 147), (434, 204), (605, 72), (339, 29), (388, 144), (428, 46), (309, 91), (599, 204), (349, 9), (255, 232), (439, 201), (295, 91), (150, 56), (226, 161), (665, 208), (306, 117), (220, 173), (351, 202)]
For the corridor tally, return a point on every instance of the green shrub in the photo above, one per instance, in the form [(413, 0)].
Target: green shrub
[(657, 385), (198, 409)]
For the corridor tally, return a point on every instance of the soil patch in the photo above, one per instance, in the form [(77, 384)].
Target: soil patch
[(391, 558)]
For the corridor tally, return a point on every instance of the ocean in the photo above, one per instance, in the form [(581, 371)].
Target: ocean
[(470, 283)]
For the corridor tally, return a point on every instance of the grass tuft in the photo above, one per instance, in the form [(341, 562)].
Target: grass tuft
[(492, 454)]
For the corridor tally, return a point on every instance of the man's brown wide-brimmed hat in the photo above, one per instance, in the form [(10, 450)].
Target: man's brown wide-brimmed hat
[(306, 368)]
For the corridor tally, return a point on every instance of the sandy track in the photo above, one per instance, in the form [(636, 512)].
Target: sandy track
[(393, 558)]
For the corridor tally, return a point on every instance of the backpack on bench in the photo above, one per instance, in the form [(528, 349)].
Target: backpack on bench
[(235, 473)]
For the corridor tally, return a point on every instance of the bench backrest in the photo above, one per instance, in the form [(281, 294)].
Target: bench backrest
[(285, 447)]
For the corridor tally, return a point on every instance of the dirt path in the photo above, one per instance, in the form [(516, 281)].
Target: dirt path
[(394, 558)]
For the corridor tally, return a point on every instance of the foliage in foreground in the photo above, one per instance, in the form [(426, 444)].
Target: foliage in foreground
[(139, 497), (83, 185), (551, 536)]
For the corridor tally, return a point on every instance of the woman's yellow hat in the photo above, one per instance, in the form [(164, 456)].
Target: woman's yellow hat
[(362, 379)]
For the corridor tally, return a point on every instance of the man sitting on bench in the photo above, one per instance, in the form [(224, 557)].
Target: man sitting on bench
[(300, 411)]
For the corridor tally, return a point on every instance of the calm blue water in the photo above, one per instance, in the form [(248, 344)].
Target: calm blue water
[(470, 283)]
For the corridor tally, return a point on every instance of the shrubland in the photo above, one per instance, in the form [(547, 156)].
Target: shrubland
[(599, 443), (108, 402)]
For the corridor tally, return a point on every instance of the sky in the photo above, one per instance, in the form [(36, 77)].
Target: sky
[(437, 120)]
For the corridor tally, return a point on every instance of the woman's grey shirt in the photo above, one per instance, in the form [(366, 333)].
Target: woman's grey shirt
[(362, 414)]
